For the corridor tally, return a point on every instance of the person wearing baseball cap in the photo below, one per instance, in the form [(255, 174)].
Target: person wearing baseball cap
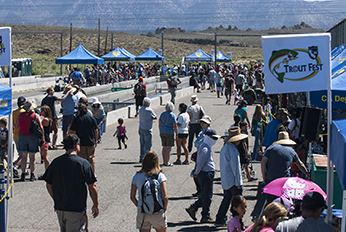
[(312, 206), (20, 102), (204, 171), (231, 177), (275, 126)]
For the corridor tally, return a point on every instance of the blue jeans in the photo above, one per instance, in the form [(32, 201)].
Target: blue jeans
[(173, 91), (228, 194), (206, 181), (145, 140)]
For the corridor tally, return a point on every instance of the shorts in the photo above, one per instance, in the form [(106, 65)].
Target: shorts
[(211, 82), (243, 160), (228, 92), (218, 87), (45, 146), (88, 153), (239, 87), (167, 140), (183, 136), (71, 221), (28, 144), (139, 100), (16, 141), (55, 125), (65, 122), (3, 153), (146, 221), (121, 138)]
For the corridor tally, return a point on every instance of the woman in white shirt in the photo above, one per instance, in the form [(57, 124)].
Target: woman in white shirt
[(183, 132)]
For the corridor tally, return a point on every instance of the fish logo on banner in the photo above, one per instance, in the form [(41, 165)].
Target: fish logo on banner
[(116, 53), (199, 54), (285, 63)]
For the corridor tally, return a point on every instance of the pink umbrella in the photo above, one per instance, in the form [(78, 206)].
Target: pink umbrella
[(292, 187)]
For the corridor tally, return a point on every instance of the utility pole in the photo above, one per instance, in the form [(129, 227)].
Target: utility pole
[(98, 41), (106, 41), (215, 49), (112, 42), (162, 48), (71, 37)]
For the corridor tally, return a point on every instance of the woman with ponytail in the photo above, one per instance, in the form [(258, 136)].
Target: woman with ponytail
[(238, 210), (271, 216)]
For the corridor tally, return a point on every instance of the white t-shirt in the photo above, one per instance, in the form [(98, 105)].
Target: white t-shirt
[(295, 129), (184, 120), (195, 113)]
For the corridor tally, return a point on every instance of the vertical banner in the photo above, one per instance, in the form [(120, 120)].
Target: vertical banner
[(296, 63), (5, 46)]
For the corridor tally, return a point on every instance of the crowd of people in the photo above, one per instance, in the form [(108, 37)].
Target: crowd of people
[(194, 137)]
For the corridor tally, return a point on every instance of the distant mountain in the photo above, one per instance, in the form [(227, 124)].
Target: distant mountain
[(141, 16)]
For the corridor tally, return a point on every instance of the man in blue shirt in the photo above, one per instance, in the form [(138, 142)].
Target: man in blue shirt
[(146, 117), (274, 127), (68, 105), (231, 178), (204, 171)]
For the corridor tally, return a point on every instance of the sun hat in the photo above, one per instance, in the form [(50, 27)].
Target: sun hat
[(29, 105), (68, 87), (284, 139), (194, 98), (313, 200), (235, 135), (96, 101), (283, 111), (206, 119), (212, 133)]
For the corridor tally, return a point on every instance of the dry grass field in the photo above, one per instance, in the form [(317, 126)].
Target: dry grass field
[(44, 48)]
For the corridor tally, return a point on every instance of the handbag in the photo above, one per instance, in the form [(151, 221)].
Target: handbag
[(35, 129)]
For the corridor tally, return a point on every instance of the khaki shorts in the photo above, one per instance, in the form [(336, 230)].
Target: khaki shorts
[(88, 153), (167, 140), (146, 221), (71, 221)]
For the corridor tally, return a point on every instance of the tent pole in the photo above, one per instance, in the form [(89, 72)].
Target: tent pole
[(330, 171)]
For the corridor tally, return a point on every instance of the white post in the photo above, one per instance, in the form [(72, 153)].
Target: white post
[(330, 169)]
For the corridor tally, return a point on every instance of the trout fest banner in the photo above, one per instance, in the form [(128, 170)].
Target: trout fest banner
[(5, 46), (296, 63)]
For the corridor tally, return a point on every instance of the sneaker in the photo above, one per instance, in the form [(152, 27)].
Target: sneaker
[(192, 212), (22, 178), (32, 177), (15, 173), (186, 162), (207, 220), (125, 146), (197, 194), (177, 162)]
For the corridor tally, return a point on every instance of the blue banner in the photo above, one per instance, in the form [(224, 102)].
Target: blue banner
[(337, 51), (5, 100)]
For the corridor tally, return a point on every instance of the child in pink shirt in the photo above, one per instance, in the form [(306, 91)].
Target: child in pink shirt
[(121, 133), (238, 210)]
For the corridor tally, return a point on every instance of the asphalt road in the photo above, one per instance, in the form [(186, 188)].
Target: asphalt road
[(31, 208)]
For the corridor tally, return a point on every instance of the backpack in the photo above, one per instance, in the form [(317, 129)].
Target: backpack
[(139, 89), (174, 82), (152, 203)]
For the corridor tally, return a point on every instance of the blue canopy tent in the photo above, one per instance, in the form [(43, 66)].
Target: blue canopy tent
[(338, 149), (79, 56), (150, 54), (5, 100), (129, 54), (199, 55), (221, 57), (339, 61), (336, 51), (119, 54)]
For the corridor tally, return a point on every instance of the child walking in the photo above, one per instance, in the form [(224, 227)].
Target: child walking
[(238, 210), (121, 133)]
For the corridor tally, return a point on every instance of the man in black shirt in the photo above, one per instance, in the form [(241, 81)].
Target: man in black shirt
[(67, 179), (85, 126)]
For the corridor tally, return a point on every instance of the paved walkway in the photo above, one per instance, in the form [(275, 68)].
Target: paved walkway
[(31, 208)]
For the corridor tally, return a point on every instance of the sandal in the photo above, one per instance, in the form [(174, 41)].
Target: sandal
[(177, 162), (168, 165), (252, 178)]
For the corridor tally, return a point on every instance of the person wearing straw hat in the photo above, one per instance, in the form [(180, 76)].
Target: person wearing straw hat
[(277, 159), (204, 171), (195, 112), (231, 177), (28, 144)]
